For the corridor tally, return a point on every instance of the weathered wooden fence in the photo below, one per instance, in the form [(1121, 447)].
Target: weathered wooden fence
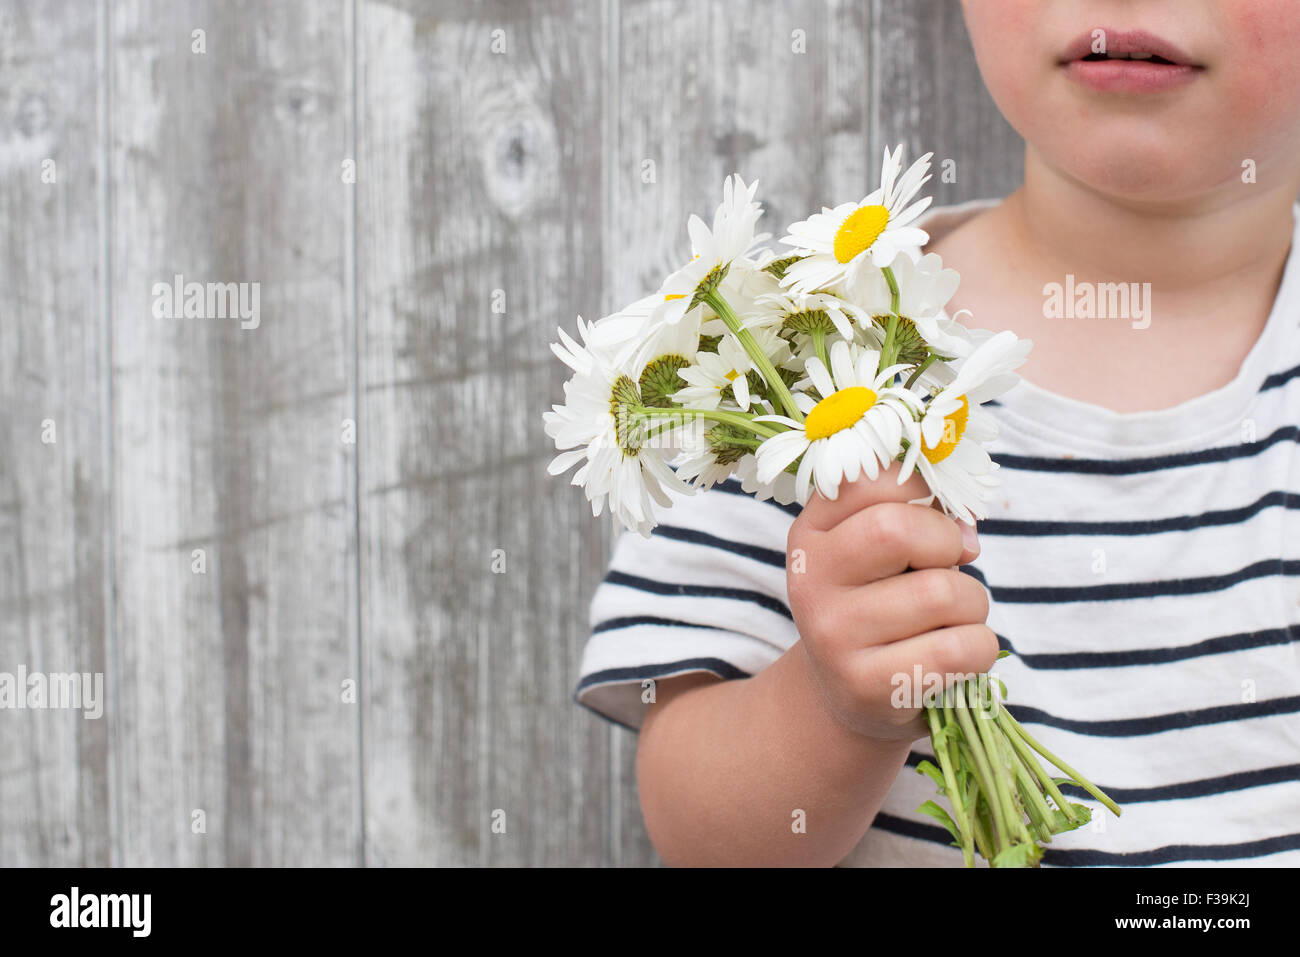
[(337, 603)]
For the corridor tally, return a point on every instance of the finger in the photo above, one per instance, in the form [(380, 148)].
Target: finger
[(942, 658), (902, 606), (970, 542), (886, 539), (822, 513)]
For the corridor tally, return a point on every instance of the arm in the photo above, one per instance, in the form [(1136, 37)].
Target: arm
[(722, 766)]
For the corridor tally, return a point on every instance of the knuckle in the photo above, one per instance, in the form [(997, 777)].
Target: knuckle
[(886, 526), (949, 654), (935, 589)]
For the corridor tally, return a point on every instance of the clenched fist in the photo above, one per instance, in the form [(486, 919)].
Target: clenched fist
[(875, 591)]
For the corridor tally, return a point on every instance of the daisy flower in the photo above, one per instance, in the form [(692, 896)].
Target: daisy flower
[(857, 426), (730, 238), (712, 455), (664, 353), (806, 312), (726, 373), (621, 463), (781, 489), (924, 288), (950, 446), (704, 467), (839, 243), (742, 288)]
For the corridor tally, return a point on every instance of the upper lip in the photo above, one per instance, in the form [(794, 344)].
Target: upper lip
[(1127, 41)]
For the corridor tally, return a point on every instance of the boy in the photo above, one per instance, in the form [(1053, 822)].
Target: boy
[(1142, 558)]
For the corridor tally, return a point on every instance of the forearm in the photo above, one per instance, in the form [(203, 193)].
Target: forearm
[(722, 769)]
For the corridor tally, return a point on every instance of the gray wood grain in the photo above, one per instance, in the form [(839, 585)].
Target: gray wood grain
[(55, 571), (225, 166), (424, 191), (476, 186)]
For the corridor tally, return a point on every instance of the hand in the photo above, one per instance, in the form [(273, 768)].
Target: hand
[(874, 588)]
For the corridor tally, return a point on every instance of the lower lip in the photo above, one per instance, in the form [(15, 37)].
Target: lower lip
[(1130, 76)]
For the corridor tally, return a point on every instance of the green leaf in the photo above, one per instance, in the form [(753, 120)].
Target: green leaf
[(933, 773), (1002, 654), (1061, 823), (1019, 855), (940, 815)]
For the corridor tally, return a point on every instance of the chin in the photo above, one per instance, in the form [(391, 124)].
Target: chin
[(1137, 168)]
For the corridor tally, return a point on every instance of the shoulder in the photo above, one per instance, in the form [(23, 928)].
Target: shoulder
[(966, 236)]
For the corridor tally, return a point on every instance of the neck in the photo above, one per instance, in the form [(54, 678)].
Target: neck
[(1238, 233)]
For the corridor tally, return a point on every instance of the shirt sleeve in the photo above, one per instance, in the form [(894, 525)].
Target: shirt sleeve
[(704, 593)]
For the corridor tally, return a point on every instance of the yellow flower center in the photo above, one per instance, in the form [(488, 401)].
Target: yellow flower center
[(860, 229), (954, 427), (838, 411), (731, 376)]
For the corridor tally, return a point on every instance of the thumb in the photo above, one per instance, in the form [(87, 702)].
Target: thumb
[(824, 514)]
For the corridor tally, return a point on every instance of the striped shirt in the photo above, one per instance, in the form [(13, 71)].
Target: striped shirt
[(1144, 570)]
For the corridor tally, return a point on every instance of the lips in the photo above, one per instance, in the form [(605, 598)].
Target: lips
[(1133, 61)]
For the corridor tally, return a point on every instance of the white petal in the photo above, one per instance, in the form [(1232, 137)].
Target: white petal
[(776, 454), (803, 479)]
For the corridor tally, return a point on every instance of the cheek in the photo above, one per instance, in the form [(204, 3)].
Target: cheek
[(1263, 61), (1260, 72), (1003, 34)]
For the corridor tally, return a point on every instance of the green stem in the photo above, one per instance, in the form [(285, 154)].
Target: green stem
[(1002, 779), (978, 810), (987, 782), (740, 420), (919, 369), (950, 781), (893, 289), (891, 327), (1079, 779), (958, 759), (1032, 797), (756, 355), (1049, 784), (819, 346)]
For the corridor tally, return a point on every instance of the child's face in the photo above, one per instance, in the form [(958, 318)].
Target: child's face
[(1148, 129)]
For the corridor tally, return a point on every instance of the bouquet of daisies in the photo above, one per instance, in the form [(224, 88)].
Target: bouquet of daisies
[(798, 372)]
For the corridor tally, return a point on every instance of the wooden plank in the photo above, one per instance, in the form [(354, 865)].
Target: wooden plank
[(55, 769), (479, 183), (226, 166), (775, 91), (927, 94)]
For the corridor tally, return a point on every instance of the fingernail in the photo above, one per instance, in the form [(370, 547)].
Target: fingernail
[(969, 538)]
